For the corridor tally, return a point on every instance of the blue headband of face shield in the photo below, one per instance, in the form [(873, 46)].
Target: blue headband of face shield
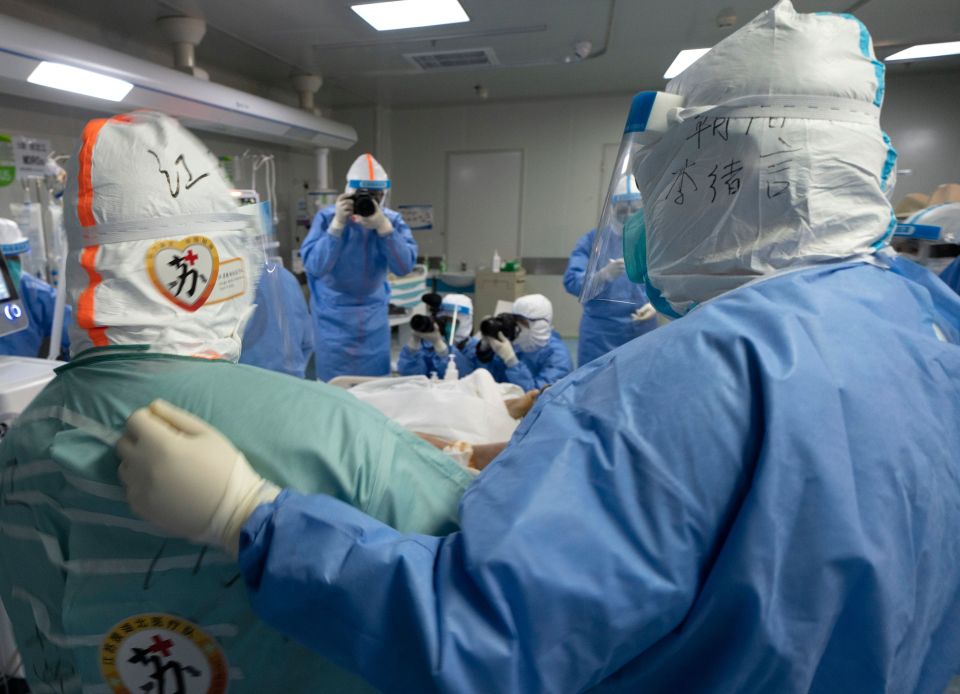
[(455, 308), (357, 184)]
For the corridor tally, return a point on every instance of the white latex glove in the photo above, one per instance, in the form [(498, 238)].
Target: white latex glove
[(186, 478), (342, 213), (645, 312), (434, 338), (503, 349), (612, 270), (378, 220)]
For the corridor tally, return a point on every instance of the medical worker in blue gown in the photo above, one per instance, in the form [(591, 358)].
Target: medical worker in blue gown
[(38, 299), (611, 319), (951, 275), (761, 496), (279, 335), (346, 257), (536, 357), (946, 218), (429, 353)]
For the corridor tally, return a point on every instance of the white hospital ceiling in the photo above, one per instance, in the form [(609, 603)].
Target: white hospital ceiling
[(528, 42)]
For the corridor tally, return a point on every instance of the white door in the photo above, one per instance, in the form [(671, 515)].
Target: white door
[(483, 207)]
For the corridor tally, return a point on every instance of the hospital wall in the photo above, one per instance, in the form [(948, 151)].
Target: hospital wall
[(563, 141)]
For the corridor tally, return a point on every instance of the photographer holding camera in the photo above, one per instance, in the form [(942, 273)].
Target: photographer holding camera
[(351, 246), (428, 350), (522, 347)]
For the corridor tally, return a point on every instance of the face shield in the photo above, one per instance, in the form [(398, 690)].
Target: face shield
[(270, 324), (459, 314), (13, 244), (943, 222), (757, 162), (648, 120)]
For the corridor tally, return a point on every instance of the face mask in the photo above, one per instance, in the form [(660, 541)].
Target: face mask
[(534, 337), (16, 270), (524, 341), (464, 327)]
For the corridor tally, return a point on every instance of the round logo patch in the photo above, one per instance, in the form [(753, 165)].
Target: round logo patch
[(157, 653), (184, 270)]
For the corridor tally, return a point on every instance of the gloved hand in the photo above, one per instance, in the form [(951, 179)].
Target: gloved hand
[(342, 213), (378, 220), (612, 270), (503, 349), (645, 312), (186, 478), (434, 338)]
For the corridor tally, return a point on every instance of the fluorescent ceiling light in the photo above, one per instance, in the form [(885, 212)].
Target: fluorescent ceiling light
[(926, 50), (79, 81), (406, 14), (684, 60)]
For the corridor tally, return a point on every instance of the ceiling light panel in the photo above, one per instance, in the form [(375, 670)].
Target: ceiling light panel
[(684, 60), (926, 50), (79, 81), (409, 14)]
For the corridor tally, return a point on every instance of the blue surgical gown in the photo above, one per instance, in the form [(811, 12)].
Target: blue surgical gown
[(349, 292), (279, 336), (762, 496), (604, 325), (537, 369), (38, 299), (423, 361), (541, 367), (952, 275)]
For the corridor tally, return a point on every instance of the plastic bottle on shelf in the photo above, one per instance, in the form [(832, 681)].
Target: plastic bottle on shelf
[(497, 261)]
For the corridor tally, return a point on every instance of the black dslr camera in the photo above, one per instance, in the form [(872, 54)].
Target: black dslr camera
[(424, 324), (505, 323), (363, 202)]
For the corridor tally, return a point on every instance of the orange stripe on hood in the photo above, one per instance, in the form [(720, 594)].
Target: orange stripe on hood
[(88, 261), (85, 172), (88, 256), (370, 167)]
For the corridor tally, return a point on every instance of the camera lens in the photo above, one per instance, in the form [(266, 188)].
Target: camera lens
[(491, 327), (363, 203), (504, 323), (510, 328), (422, 324)]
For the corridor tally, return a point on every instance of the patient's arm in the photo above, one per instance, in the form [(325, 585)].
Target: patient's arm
[(518, 407), (483, 453)]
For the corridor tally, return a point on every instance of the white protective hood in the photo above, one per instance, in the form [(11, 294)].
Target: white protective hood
[(537, 309), (159, 253), (775, 161)]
